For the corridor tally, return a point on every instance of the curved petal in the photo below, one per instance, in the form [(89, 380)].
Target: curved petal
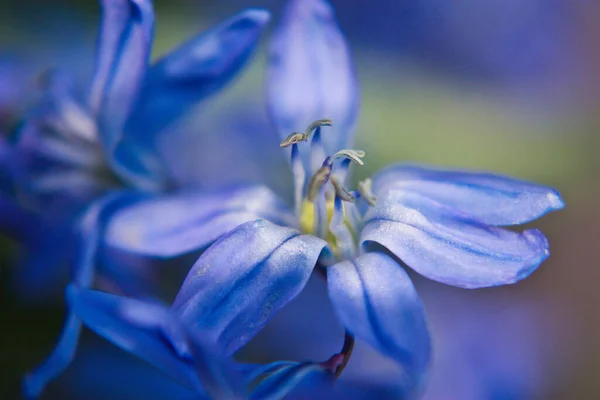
[(123, 50), (137, 327), (491, 199), (241, 281), (283, 380), (124, 45), (195, 70), (310, 74), (375, 299), (190, 221), (449, 247)]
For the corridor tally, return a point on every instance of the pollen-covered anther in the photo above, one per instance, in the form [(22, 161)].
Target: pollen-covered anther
[(354, 155), (317, 181), (341, 191), (297, 137), (364, 188), (293, 138)]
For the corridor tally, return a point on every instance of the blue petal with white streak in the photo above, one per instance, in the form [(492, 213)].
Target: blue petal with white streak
[(310, 74), (241, 281), (171, 225), (124, 44), (195, 70), (376, 300), (449, 247), (489, 198)]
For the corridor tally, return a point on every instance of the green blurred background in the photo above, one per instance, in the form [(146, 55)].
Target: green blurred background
[(411, 111)]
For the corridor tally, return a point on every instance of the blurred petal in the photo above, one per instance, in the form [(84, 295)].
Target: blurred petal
[(240, 282), (190, 221), (449, 247), (137, 327), (62, 355), (57, 159), (281, 382), (195, 70), (310, 74), (488, 198), (124, 44), (90, 231), (375, 299)]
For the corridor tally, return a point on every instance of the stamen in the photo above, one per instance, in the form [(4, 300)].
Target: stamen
[(297, 137), (299, 177), (364, 187), (354, 155), (317, 151), (345, 244), (341, 191), (293, 138), (318, 123), (317, 181)]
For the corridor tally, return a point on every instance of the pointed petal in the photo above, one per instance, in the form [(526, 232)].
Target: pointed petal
[(240, 282), (283, 380), (137, 327), (123, 49), (310, 74), (449, 247), (124, 45), (491, 199), (375, 300), (195, 70), (191, 221)]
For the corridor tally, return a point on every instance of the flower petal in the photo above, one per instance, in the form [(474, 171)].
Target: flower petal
[(240, 282), (286, 378), (310, 74), (137, 327), (444, 245), (190, 221), (197, 69), (491, 199), (124, 44), (375, 299)]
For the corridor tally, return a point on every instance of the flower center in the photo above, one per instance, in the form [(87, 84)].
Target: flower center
[(328, 211)]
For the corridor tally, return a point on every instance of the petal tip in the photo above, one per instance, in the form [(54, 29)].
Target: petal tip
[(555, 200), (258, 15)]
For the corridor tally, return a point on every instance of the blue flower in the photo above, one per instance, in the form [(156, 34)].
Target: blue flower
[(445, 225), (81, 154)]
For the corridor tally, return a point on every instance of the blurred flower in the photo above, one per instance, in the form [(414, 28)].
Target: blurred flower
[(445, 225), (97, 151)]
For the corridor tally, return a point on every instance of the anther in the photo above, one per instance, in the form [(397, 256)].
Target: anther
[(293, 138), (341, 191), (317, 181), (354, 155), (364, 188), (297, 137)]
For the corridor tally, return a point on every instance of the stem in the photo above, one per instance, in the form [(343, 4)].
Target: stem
[(346, 352)]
